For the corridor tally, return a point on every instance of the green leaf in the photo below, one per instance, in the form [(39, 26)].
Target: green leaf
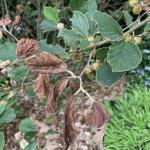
[(80, 22), (55, 49), (18, 73), (51, 14), (128, 18), (8, 51), (2, 140), (124, 56), (105, 77), (92, 23), (147, 27), (7, 116), (101, 53), (47, 26), (83, 5), (109, 28), (2, 106), (71, 37), (26, 126)]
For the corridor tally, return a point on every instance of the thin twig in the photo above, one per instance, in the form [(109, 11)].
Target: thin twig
[(5, 29), (88, 63)]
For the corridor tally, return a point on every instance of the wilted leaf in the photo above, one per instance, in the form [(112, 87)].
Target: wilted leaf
[(70, 130), (98, 117), (4, 22), (46, 63), (42, 85), (56, 91), (61, 85), (26, 48)]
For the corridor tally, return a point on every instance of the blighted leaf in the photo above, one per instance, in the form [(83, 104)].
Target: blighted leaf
[(105, 77), (26, 47), (61, 85), (42, 85), (51, 14), (109, 28), (80, 22), (2, 140), (56, 91), (100, 115), (46, 63), (4, 22), (70, 130), (124, 56)]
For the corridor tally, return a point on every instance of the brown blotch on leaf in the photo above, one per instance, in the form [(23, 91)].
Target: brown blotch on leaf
[(42, 85), (46, 63), (26, 47), (70, 130)]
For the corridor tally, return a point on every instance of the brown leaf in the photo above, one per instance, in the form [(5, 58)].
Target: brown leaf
[(46, 63), (56, 91), (19, 8), (70, 130), (16, 21), (61, 85), (26, 47), (98, 117), (42, 85), (4, 22)]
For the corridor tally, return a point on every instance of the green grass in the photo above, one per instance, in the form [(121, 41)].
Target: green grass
[(129, 126)]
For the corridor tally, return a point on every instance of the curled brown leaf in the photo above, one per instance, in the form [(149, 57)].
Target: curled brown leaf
[(16, 21), (70, 131), (56, 91), (46, 63), (26, 47), (98, 117), (42, 85), (4, 22)]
